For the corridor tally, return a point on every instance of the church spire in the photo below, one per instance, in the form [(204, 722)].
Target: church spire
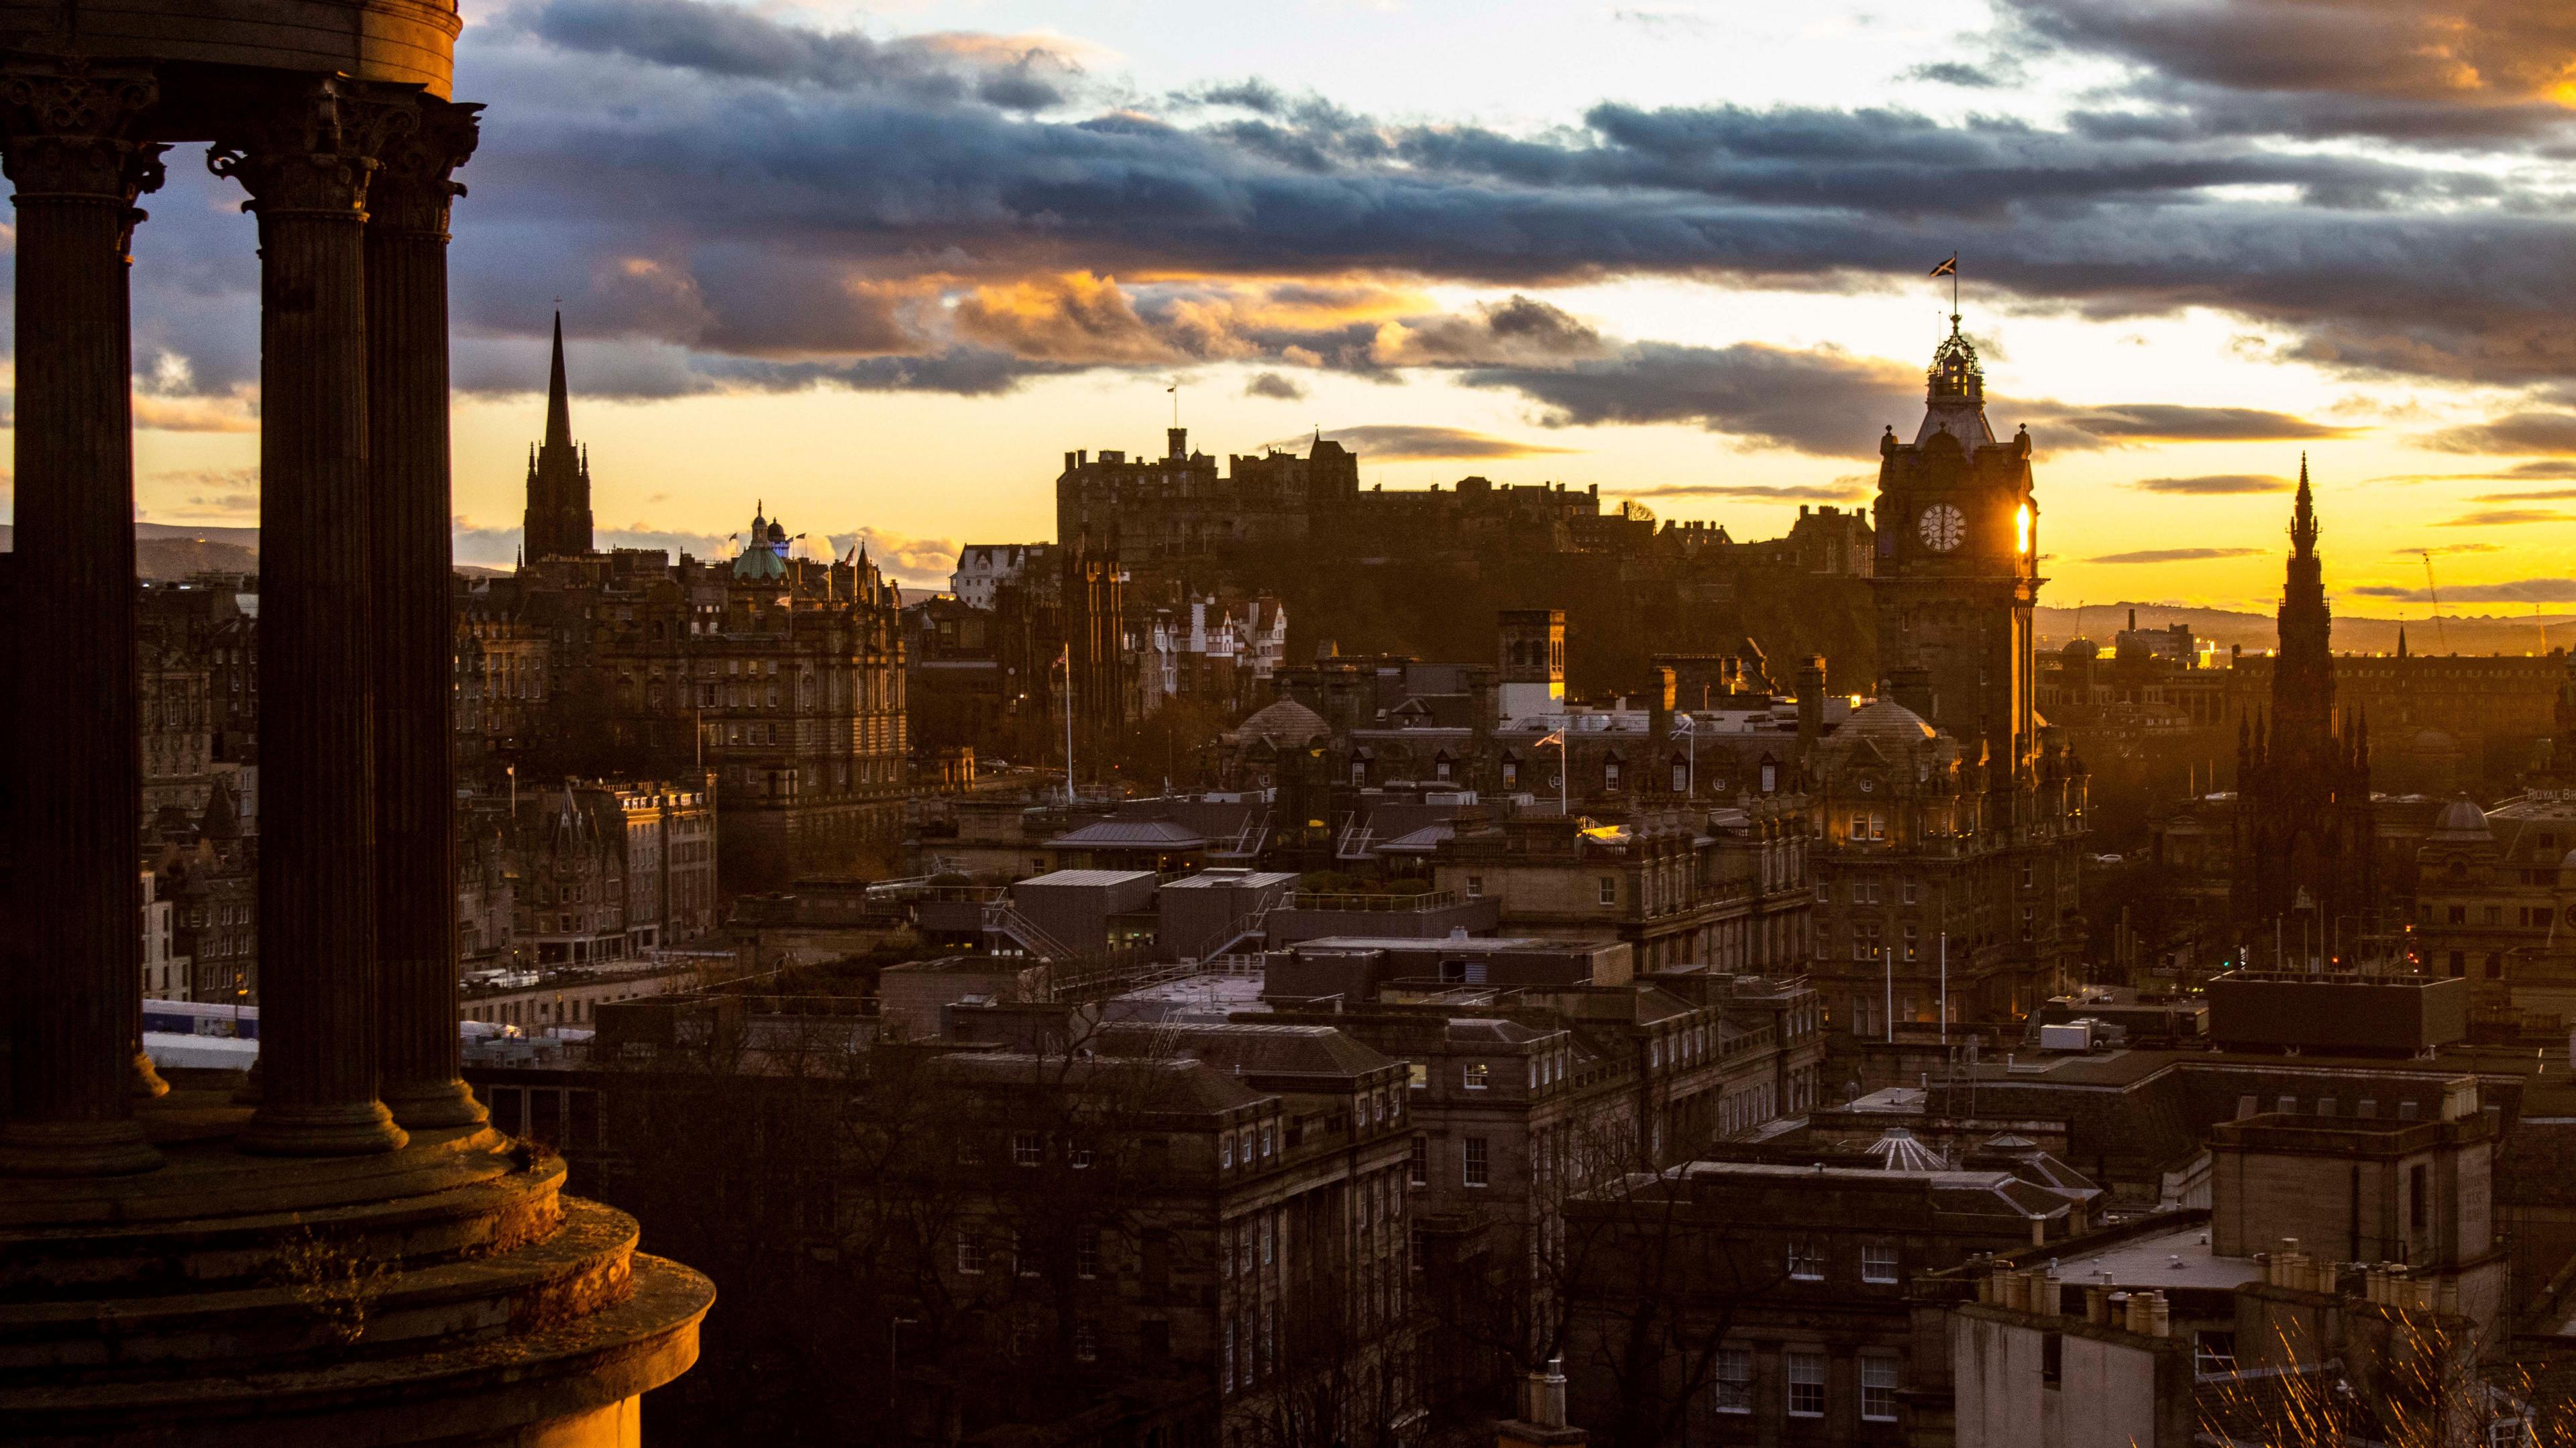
[(2303, 517), (558, 396), (557, 522)]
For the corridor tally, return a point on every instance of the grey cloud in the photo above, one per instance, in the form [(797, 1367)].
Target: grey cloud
[(1841, 491), (1517, 330), (1274, 386), (2214, 483), (718, 180), (2430, 71), (2507, 517), (2167, 422), (1958, 73), (1398, 442), (1814, 401), (2520, 432), (2175, 555), (2521, 590)]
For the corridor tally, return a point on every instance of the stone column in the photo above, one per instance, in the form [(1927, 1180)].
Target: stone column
[(306, 154), (69, 150), (407, 461)]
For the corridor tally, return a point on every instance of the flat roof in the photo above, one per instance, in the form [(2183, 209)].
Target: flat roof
[(2178, 1258), (1486, 943), (1086, 878)]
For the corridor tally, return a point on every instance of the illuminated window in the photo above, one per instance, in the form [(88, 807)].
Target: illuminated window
[(2021, 529)]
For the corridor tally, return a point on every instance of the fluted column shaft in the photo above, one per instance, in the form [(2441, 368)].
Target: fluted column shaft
[(77, 762), (307, 159), (407, 461)]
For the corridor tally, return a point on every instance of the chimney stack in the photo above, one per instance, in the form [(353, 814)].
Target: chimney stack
[(1541, 1423), (1811, 701)]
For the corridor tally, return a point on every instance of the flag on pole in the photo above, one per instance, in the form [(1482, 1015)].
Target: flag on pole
[(1948, 268)]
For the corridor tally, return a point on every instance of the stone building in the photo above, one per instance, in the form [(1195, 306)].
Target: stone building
[(1939, 899), (781, 675), (207, 870), (587, 872), (1195, 1231), (1767, 1302), (209, 1264), (1730, 892)]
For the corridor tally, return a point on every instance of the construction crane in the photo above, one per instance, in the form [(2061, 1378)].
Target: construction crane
[(2441, 635)]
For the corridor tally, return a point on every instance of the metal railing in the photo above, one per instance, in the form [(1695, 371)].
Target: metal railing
[(1398, 904)]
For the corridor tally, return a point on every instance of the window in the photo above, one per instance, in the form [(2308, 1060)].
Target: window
[(2459, 915), (1681, 779), (1265, 1242), (1878, 1389), (970, 1254), (1026, 1148), (2494, 914), (2416, 1199), (1912, 891), (1079, 1158), (1475, 887), (1359, 773), (1267, 1141), (1418, 1076), (1734, 1380), (1086, 1252), (1878, 1263), (1225, 1150), (1511, 773), (1806, 1383), (1229, 1354), (1806, 1262), (1086, 1341), (1609, 890), (1478, 1076), (1479, 1164), (1420, 1174)]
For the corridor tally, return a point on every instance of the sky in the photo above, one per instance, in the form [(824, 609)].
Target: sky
[(876, 268)]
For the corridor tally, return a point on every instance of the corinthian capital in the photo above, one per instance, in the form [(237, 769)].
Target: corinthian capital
[(67, 130), (412, 191), (314, 149)]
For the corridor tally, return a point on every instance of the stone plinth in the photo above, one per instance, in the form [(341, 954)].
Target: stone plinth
[(445, 1292)]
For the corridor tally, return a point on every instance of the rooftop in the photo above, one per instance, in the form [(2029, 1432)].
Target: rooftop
[(2181, 1257)]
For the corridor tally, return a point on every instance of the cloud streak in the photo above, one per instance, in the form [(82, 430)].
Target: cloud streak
[(2214, 485), (2176, 555)]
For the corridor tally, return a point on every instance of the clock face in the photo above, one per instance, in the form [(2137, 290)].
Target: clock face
[(1943, 527)]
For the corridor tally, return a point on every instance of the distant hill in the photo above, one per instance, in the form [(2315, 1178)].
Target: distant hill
[(165, 552), (2257, 632)]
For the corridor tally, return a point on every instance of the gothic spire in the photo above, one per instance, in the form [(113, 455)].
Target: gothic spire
[(558, 396), (2303, 517)]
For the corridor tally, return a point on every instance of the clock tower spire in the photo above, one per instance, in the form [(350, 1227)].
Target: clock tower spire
[(1956, 574)]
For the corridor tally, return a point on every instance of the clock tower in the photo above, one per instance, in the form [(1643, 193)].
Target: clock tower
[(1957, 570)]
